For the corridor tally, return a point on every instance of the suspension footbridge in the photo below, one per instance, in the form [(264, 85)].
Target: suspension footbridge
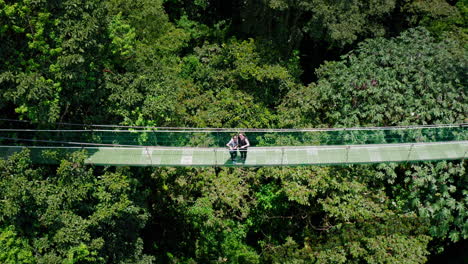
[(137, 146)]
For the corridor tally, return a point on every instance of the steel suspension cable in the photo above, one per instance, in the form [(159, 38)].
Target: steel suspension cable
[(190, 129)]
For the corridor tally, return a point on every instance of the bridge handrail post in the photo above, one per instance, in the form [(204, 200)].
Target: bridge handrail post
[(347, 152), (149, 156), (215, 157), (409, 152), (282, 156)]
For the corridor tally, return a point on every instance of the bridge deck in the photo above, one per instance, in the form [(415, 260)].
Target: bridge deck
[(258, 156)]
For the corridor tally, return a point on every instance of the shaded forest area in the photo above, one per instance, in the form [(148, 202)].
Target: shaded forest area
[(242, 64)]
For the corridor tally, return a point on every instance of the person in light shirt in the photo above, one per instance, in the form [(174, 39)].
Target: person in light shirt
[(233, 145)]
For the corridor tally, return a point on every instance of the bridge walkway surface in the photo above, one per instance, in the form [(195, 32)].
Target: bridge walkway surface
[(257, 156)]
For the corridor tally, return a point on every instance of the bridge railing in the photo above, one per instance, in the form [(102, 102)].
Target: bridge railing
[(219, 137)]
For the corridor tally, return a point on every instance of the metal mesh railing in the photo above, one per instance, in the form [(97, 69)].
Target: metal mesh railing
[(219, 137)]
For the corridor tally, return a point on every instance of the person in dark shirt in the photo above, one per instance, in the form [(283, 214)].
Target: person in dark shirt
[(243, 145)]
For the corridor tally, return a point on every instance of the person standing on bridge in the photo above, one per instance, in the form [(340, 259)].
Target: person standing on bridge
[(243, 145), (233, 145)]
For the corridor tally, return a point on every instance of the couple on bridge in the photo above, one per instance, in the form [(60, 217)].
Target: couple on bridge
[(238, 142)]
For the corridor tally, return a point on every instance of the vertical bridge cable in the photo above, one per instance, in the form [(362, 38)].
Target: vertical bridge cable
[(149, 155), (409, 153), (282, 156), (347, 153), (215, 157)]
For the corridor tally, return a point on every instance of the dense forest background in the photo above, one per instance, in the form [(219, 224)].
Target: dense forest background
[(243, 64)]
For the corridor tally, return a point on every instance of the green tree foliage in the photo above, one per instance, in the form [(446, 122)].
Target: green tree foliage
[(236, 84), (282, 216), (143, 79), (412, 79), (68, 216), (346, 220), (26, 51), (89, 60), (339, 23), (14, 249), (57, 56), (438, 192), (212, 63), (438, 16), (343, 22)]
